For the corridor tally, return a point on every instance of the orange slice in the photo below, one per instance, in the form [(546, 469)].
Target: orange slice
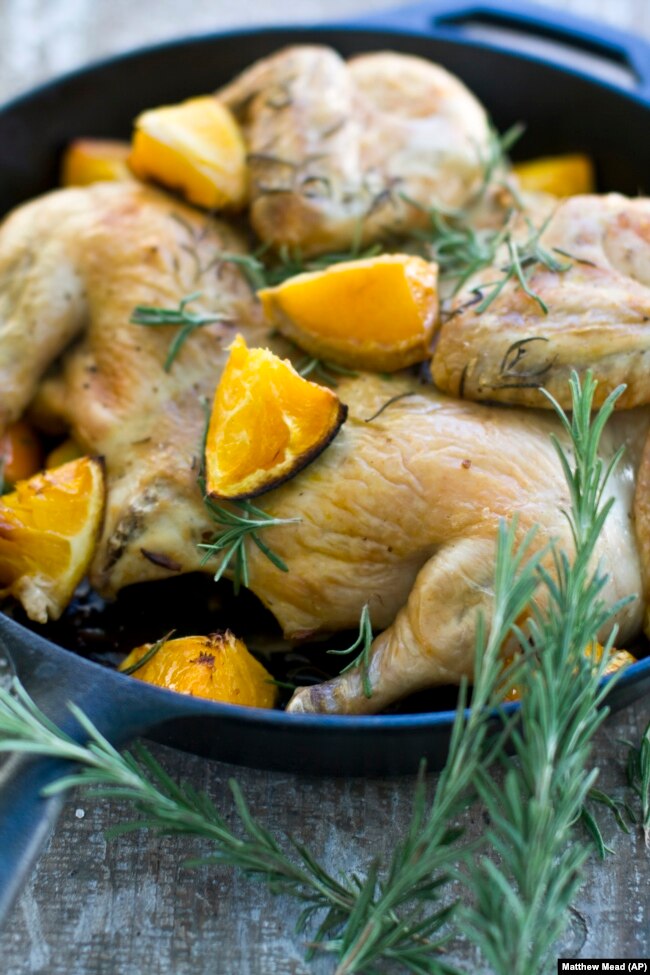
[(560, 175), (195, 148), (218, 667), (88, 161), (20, 453), (48, 530), (377, 313), (267, 423)]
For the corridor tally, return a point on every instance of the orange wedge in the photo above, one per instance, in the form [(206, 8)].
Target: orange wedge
[(560, 175), (377, 313), (616, 660), (48, 530), (218, 667), (20, 453), (267, 423), (195, 148), (88, 161)]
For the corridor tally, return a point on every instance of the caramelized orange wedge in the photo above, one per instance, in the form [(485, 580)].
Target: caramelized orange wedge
[(195, 148), (377, 313), (267, 423), (48, 530), (20, 453), (88, 161), (560, 175), (218, 667)]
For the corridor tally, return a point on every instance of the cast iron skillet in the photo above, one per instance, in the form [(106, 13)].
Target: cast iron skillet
[(565, 109)]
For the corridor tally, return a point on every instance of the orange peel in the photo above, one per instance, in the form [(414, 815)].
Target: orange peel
[(219, 667), (267, 423), (376, 313), (49, 527)]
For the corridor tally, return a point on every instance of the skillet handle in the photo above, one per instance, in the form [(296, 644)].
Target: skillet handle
[(446, 19), (26, 819)]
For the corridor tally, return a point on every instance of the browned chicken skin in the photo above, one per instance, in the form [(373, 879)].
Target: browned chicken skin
[(598, 313), (82, 260), (337, 149)]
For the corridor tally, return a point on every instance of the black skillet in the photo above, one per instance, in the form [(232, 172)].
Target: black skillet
[(567, 106)]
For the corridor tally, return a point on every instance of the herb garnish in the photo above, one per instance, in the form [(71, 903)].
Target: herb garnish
[(395, 912), (150, 315), (149, 655), (246, 521), (364, 640), (324, 370)]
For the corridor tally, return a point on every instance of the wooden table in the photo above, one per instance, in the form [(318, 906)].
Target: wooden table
[(129, 907)]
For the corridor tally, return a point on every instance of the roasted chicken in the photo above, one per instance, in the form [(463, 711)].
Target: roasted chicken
[(343, 152), (597, 312), (75, 263)]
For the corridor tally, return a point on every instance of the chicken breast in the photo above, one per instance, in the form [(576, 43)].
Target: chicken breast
[(337, 150), (598, 313)]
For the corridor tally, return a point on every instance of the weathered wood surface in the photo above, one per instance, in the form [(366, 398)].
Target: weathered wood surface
[(129, 907)]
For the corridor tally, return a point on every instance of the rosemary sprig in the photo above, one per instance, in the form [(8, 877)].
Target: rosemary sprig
[(364, 640), (534, 809), (152, 316), (638, 778), (525, 258), (240, 521)]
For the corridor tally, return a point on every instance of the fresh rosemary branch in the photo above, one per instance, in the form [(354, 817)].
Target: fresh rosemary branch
[(241, 520), (534, 809), (364, 640), (168, 807), (638, 778), (151, 316), (392, 918)]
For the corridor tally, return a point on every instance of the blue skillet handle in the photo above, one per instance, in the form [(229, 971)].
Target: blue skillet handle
[(26, 819), (444, 18)]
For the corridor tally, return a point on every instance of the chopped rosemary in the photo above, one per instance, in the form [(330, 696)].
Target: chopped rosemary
[(364, 640), (389, 402), (230, 543), (151, 652), (152, 316)]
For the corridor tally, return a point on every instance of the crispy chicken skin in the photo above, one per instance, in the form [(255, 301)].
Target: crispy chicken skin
[(80, 260), (598, 314), (401, 512), (335, 147)]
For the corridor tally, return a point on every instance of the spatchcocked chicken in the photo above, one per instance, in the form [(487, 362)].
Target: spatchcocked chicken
[(400, 512)]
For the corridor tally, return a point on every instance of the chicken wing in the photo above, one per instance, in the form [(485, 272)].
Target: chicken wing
[(598, 313), (337, 150)]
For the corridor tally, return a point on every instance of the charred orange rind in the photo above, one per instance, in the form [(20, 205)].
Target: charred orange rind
[(219, 667), (376, 313), (267, 424)]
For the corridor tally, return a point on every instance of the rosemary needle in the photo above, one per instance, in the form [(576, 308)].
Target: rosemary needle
[(152, 316), (364, 640)]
